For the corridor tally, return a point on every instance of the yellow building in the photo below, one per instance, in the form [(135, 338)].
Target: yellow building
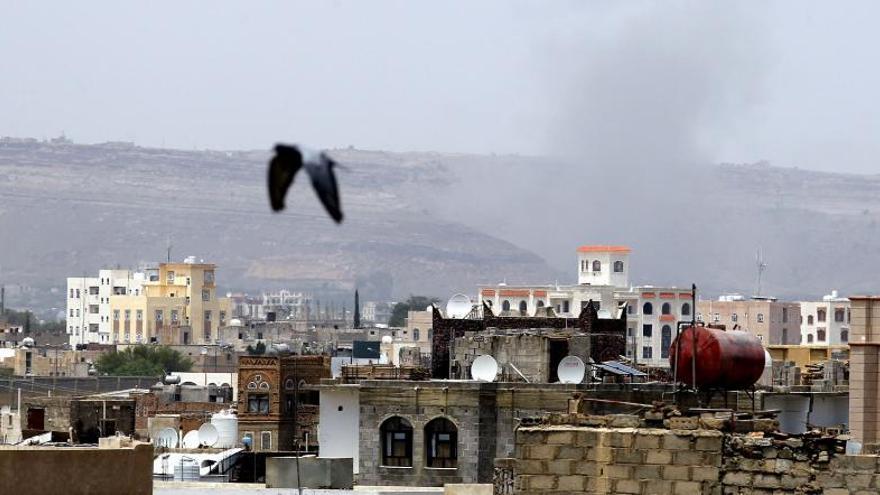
[(178, 305)]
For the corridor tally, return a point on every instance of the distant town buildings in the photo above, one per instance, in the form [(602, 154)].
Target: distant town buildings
[(603, 277), (172, 303), (774, 322), (825, 322), (88, 303)]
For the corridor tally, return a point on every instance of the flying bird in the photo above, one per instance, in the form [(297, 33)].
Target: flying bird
[(286, 163)]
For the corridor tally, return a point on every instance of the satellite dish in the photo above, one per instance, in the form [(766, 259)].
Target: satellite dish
[(191, 440), (484, 368), (458, 306), (167, 437), (571, 370), (208, 435), (387, 339)]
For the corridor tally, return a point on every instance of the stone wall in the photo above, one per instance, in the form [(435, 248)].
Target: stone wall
[(575, 459), (603, 460)]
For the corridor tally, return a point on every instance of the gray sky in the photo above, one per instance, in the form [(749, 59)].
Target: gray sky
[(791, 82)]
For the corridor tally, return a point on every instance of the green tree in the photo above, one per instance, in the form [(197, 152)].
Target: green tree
[(30, 323), (414, 303), (257, 350), (142, 360)]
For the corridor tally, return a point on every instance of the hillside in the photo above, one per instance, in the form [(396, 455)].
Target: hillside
[(423, 222)]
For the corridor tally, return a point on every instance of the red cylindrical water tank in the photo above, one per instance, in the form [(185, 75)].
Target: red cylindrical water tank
[(730, 360)]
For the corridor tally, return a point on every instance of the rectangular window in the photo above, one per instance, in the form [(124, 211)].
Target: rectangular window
[(71, 293), (159, 315), (93, 309), (647, 352), (93, 290), (716, 318), (222, 317), (71, 312), (93, 327), (208, 315), (170, 277), (209, 276), (647, 330), (266, 440), (258, 403), (784, 315), (115, 315), (77, 293), (760, 317), (139, 314), (734, 317), (127, 315), (565, 306), (174, 315), (206, 295)]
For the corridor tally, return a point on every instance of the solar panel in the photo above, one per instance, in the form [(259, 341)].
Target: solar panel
[(624, 369)]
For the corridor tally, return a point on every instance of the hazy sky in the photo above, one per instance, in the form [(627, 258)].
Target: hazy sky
[(794, 82)]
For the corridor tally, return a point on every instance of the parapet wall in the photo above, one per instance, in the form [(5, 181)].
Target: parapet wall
[(74, 470), (577, 459)]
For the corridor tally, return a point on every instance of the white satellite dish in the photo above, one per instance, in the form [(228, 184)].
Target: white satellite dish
[(571, 370), (191, 440), (459, 306), (484, 368), (208, 435), (167, 437)]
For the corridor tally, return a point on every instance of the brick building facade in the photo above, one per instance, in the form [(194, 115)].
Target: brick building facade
[(277, 401)]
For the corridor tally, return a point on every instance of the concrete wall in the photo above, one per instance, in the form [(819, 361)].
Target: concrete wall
[(797, 411), (314, 472), (74, 471), (339, 422)]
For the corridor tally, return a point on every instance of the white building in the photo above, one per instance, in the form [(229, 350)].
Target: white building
[(653, 313), (825, 322), (88, 303)]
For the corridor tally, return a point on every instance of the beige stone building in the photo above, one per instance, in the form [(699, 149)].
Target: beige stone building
[(177, 305), (774, 322), (864, 374)]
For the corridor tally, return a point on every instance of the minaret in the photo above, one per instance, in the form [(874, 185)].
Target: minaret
[(357, 310)]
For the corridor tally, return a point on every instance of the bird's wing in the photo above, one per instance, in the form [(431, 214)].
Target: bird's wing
[(282, 169), (324, 182)]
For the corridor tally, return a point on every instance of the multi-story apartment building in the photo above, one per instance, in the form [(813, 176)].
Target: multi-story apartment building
[(284, 304), (773, 322), (88, 303), (825, 322), (653, 313), (177, 304), (376, 312)]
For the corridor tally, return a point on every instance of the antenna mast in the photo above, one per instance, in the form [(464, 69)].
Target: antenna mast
[(761, 266)]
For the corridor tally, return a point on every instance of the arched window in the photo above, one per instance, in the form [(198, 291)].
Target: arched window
[(686, 309), (540, 304), (666, 308), (584, 265), (665, 341), (809, 319), (397, 437), (648, 309), (416, 334), (505, 306), (839, 315), (820, 315), (523, 307), (844, 335), (810, 338), (597, 266), (618, 267), (441, 444), (820, 335)]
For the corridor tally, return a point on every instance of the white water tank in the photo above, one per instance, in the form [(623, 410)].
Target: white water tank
[(226, 423)]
